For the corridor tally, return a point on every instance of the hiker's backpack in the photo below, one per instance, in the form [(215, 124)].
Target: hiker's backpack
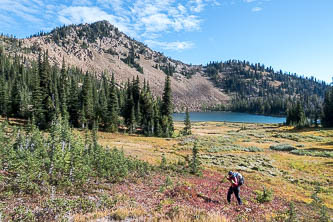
[(240, 179)]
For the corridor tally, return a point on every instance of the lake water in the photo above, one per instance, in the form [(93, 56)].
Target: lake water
[(228, 117)]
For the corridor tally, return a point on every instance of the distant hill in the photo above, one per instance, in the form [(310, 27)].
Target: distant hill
[(235, 85), (259, 89)]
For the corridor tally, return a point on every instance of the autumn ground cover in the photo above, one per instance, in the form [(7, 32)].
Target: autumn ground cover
[(245, 148), (168, 194)]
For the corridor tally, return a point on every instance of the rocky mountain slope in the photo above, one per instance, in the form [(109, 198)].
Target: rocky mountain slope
[(100, 47)]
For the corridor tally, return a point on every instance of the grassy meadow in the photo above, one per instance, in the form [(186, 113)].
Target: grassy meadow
[(292, 175), (288, 173)]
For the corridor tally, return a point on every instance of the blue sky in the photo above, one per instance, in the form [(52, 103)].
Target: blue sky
[(293, 35)]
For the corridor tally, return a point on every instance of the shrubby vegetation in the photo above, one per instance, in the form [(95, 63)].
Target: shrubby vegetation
[(130, 60), (319, 206), (282, 147), (235, 148), (266, 195), (191, 164), (309, 152), (32, 162)]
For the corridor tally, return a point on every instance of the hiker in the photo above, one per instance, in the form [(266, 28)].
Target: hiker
[(234, 188)]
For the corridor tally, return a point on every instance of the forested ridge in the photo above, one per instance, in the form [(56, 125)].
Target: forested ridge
[(42, 93), (259, 89)]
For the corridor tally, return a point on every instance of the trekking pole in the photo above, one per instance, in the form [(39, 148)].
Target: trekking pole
[(218, 185)]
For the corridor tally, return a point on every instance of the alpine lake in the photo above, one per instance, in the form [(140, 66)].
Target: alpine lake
[(228, 117)]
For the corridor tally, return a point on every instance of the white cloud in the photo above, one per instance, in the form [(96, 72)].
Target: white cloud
[(82, 14), (257, 9), (258, 3), (197, 5), (22, 9), (81, 3), (173, 46)]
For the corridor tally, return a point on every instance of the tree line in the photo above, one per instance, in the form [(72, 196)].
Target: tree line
[(298, 117), (41, 92)]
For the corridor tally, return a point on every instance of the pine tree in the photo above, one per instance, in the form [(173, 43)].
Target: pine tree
[(167, 109), (327, 116), (38, 112), (136, 99), (296, 115), (4, 98), (102, 109), (187, 129), (113, 120), (16, 97), (48, 108), (55, 95), (64, 86), (74, 104), (147, 114), (130, 113), (195, 162), (87, 103), (129, 108), (157, 120)]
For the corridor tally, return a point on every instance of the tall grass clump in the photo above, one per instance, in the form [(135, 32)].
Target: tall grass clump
[(32, 161)]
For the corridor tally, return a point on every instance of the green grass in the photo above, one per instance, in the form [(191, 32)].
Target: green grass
[(315, 153), (234, 148), (299, 137)]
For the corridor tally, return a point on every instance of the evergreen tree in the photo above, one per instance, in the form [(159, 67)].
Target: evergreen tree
[(147, 114), (129, 109), (296, 115), (195, 162), (187, 129), (16, 97), (136, 99), (4, 98), (130, 114), (327, 117), (87, 102), (37, 97), (74, 104), (102, 109), (48, 106), (64, 86), (157, 120), (167, 109), (113, 120)]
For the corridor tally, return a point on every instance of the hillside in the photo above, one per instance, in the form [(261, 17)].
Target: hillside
[(258, 89), (233, 85)]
